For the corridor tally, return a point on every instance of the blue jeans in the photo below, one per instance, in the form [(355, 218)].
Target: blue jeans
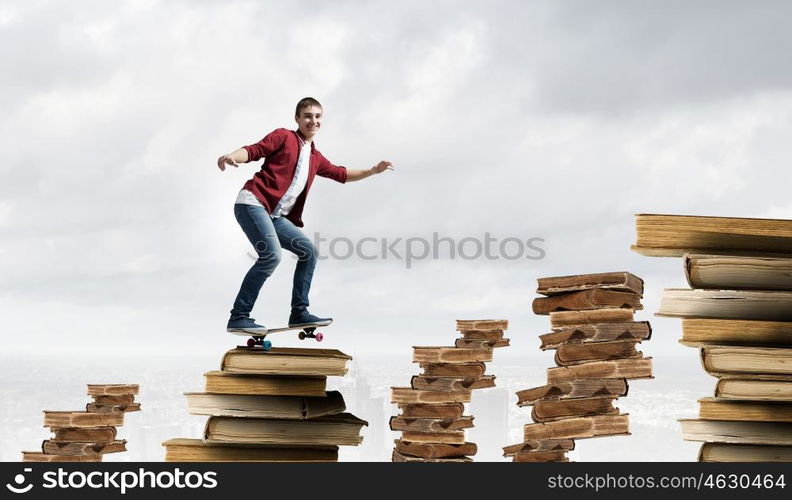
[(268, 236)]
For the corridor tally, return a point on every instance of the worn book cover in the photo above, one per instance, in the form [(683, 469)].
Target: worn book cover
[(260, 406), (738, 272), (631, 368), (661, 235), (619, 281), (726, 304), (286, 361), (736, 331), (587, 299), (196, 450), (598, 332), (575, 388)]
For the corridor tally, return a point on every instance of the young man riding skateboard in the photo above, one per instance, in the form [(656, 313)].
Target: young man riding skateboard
[(270, 205)]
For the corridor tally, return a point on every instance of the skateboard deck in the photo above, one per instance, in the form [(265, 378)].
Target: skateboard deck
[(306, 331)]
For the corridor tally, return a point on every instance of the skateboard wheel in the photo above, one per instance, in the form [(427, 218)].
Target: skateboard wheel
[(319, 337), (251, 343), (301, 335), (266, 345)]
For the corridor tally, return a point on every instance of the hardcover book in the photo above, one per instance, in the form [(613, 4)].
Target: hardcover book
[(599, 332), (738, 272), (618, 281), (339, 429), (567, 319), (631, 368), (244, 405), (726, 304), (218, 382), (435, 450), (739, 431), (575, 388), (662, 235), (285, 361), (587, 299), (195, 450), (736, 331)]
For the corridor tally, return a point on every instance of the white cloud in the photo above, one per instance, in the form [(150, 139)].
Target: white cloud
[(5, 213), (521, 120)]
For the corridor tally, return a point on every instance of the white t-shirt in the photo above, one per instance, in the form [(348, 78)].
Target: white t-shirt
[(245, 197), (296, 187)]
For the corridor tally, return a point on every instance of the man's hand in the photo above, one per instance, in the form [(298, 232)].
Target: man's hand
[(225, 160), (235, 158), (381, 167), (356, 175)]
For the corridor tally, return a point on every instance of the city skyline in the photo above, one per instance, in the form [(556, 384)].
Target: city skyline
[(654, 405)]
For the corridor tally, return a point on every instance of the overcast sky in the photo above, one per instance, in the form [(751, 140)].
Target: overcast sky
[(557, 120)]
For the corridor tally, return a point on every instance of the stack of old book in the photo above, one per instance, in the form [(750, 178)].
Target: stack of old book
[(738, 313), (595, 338), (86, 436), (270, 406), (432, 420)]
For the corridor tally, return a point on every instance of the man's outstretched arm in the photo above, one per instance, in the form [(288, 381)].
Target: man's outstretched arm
[(359, 174), (238, 156)]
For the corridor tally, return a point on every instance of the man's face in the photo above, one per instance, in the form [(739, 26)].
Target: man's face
[(309, 121)]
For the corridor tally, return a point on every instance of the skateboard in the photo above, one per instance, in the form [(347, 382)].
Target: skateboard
[(306, 331)]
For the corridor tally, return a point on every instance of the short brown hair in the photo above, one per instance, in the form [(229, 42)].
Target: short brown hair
[(304, 103)]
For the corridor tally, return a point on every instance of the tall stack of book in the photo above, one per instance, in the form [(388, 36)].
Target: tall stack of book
[(595, 338), (432, 420), (270, 406), (86, 436), (738, 313)]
